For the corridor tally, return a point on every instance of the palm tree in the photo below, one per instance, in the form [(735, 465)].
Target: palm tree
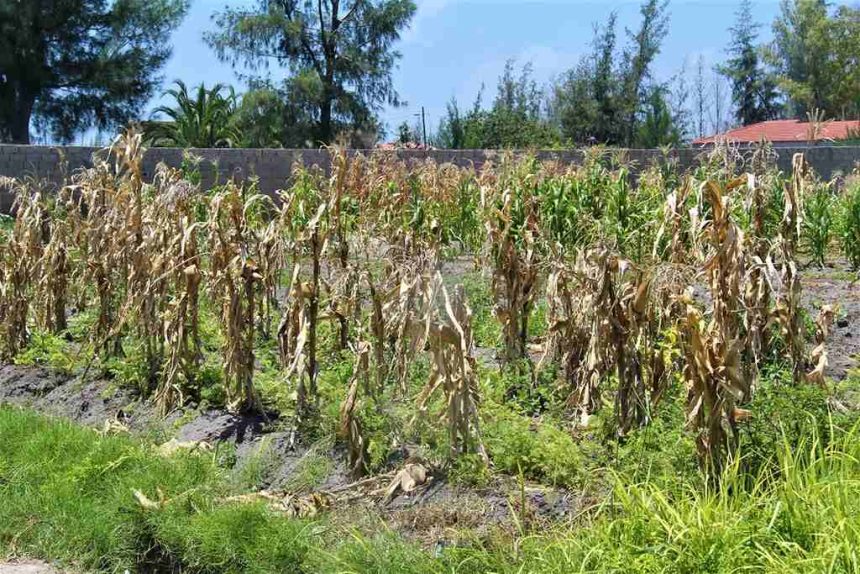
[(202, 121)]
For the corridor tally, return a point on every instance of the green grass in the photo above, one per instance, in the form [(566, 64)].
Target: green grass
[(790, 503), (67, 494)]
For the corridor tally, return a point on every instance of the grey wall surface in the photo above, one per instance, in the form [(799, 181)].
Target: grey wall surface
[(272, 167)]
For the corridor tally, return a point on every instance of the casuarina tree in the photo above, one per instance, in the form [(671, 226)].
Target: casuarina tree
[(70, 65), (339, 53), (753, 91)]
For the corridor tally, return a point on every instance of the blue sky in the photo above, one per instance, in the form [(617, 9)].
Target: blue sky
[(453, 46)]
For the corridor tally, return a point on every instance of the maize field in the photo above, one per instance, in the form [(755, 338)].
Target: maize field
[(396, 307)]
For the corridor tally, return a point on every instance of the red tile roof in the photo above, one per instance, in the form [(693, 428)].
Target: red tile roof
[(783, 131), (389, 146)]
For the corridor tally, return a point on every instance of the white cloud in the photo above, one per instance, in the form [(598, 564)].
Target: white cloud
[(426, 10)]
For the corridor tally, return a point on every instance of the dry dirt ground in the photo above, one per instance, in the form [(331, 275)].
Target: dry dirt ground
[(836, 286), (27, 567)]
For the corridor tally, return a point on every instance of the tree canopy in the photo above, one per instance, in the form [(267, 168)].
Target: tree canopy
[(516, 119), (815, 53), (69, 65), (202, 119), (753, 89), (339, 54)]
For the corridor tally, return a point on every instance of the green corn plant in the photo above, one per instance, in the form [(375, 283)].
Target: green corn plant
[(564, 204), (849, 225), (818, 223)]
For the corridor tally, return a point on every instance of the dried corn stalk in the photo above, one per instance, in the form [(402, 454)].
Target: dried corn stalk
[(342, 307), (606, 318), (711, 374), (297, 331), (757, 290), (818, 356), (407, 318), (22, 255), (568, 341), (183, 275), (97, 209), (350, 426), (143, 235), (788, 292), (715, 377), (54, 282), (726, 271), (511, 253), (680, 226), (453, 369), (234, 285)]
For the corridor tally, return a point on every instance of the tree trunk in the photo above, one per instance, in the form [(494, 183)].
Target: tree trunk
[(16, 104), (326, 135)]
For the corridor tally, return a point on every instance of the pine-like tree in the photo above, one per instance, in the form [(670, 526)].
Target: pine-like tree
[(753, 91)]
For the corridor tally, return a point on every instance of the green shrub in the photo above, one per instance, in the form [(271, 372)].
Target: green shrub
[(48, 350), (782, 414), (538, 450)]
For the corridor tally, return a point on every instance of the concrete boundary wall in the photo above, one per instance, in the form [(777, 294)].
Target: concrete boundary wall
[(272, 167)]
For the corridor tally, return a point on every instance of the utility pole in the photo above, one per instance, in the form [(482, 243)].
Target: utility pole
[(423, 125)]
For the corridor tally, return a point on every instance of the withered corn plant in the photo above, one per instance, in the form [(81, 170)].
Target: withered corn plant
[(234, 284), (182, 276), (378, 296), (714, 348), (786, 276), (96, 215), (757, 289), (676, 238), (818, 356), (315, 213), (22, 255), (350, 429), (345, 174), (573, 336), (712, 389), (379, 287), (511, 253), (628, 292), (407, 315), (271, 244), (297, 332), (607, 318), (452, 368), (143, 235), (725, 270), (55, 278)]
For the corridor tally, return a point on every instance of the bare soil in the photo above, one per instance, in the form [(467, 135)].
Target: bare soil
[(836, 286), (27, 567)]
